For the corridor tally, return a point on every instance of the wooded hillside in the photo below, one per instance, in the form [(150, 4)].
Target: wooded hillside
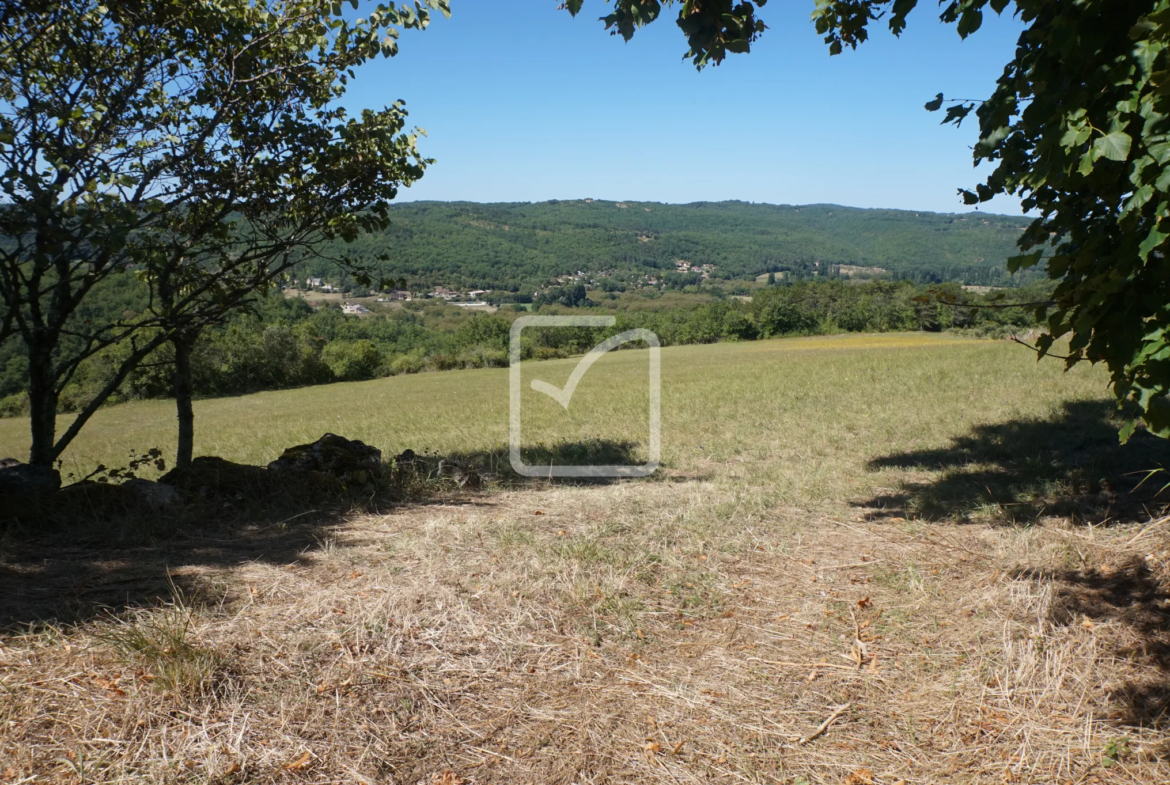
[(521, 245)]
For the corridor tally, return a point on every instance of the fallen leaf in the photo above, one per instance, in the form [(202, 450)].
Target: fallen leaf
[(538, 512), (652, 747), (111, 686), (860, 777), (300, 763), (448, 777), (864, 603), (678, 747), (355, 575)]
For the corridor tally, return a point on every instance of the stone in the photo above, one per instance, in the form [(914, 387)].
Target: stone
[(349, 460), (18, 478), (155, 495), (214, 478), (208, 475)]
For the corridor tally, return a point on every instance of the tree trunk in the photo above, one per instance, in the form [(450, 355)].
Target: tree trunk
[(183, 344), (42, 403)]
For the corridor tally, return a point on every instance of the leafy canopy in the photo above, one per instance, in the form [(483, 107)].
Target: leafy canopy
[(1078, 126), (198, 144)]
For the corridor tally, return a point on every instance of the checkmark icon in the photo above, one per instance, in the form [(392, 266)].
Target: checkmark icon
[(564, 395)]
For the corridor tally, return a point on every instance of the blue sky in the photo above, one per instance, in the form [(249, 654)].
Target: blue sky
[(522, 102)]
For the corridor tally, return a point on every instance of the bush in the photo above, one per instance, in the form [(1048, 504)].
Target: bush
[(352, 361), (412, 362), (14, 405)]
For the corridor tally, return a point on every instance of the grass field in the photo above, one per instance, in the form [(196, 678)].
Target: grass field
[(866, 559)]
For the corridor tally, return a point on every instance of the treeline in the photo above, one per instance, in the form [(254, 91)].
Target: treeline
[(520, 247), (285, 343)]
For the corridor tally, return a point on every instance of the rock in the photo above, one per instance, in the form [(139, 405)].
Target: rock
[(18, 478), (154, 495), (212, 477), (209, 475), (348, 460), (88, 500)]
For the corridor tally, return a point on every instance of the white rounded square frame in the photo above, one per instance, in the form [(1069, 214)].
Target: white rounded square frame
[(565, 394)]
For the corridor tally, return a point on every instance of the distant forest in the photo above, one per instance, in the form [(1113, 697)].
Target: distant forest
[(520, 247), (284, 342)]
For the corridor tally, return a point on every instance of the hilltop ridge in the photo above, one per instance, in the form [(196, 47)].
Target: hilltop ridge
[(522, 245)]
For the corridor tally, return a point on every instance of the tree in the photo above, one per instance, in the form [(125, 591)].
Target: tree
[(1078, 127), (352, 361), (197, 145)]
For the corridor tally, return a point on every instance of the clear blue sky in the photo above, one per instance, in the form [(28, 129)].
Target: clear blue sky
[(523, 102)]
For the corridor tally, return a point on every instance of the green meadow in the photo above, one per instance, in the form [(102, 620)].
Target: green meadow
[(804, 414)]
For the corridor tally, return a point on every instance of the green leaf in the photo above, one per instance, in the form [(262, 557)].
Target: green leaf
[(1114, 146), (1023, 261), (1154, 239), (1160, 151), (970, 21), (1139, 198), (935, 105)]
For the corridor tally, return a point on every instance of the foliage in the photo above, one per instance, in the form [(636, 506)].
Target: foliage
[(521, 248), (1078, 126), (352, 360), (151, 459), (196, 145), (285, 343)]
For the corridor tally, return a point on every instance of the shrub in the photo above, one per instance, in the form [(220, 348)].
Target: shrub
[(14, 405), (412, 362), (352, 360)]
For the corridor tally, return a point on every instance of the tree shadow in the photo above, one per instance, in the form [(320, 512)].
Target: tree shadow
[(1019, 471), (101, 553), (1131, 598), (495, 462)]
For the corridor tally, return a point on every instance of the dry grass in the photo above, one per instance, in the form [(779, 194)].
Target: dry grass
[(700, 627)]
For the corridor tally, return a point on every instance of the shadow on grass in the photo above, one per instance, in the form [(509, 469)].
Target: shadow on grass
[(102, 553), (1018, 471), (1131, 597), (495, 463)]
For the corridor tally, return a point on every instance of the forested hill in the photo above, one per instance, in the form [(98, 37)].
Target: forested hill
[(501, 246)]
